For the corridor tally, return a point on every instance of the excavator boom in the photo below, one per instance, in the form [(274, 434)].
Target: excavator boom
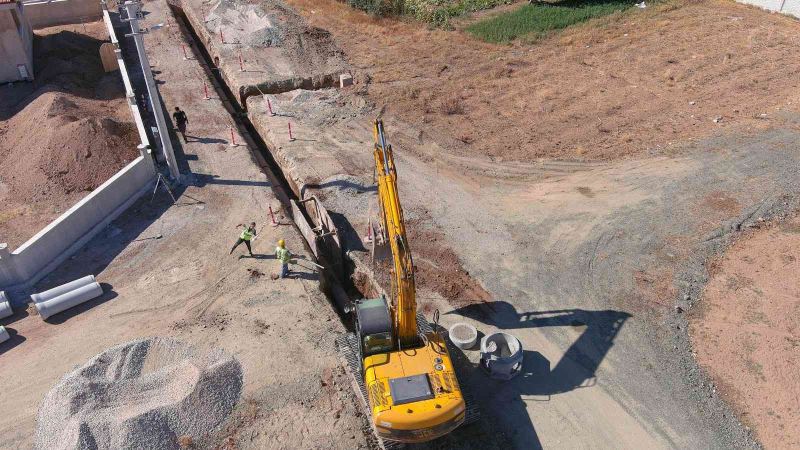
[(405, 307)]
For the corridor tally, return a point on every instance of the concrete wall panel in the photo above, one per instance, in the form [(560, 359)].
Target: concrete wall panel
[(62, 237), (16, 44), (790, 7), (43, 14)]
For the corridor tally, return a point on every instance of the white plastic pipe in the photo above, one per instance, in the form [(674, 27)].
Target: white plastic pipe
[(63, 289), (5, 306), (4, 334), (69, 299)]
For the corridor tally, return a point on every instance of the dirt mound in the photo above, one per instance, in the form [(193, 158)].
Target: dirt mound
[(440, 270), (63, 134), (150, 393), (75, 148), (310, 50)]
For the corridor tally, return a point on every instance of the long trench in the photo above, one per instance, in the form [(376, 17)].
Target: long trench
[(338, 288)]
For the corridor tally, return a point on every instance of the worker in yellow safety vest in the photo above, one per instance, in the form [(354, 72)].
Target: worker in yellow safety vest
[(284, 256), (247, 235)]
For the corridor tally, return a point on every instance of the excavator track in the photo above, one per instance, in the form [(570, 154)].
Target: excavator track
[(347, 346)]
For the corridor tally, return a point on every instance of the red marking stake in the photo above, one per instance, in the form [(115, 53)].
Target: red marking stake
[(233, 137), (274, 223), (269, 106), (205, 91), (291, 138), (185, 56)]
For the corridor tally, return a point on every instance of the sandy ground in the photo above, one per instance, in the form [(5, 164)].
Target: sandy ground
[(584, 261), (84, 132), (746, 331), (185, 285)]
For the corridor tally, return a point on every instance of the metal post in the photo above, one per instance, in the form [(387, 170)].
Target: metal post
[(132, 9)]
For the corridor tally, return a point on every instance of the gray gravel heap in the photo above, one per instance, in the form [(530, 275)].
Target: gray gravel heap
[(145, 394)]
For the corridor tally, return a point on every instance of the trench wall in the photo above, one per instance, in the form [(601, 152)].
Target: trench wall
[(790, 7), (43, 14), (51, 246)]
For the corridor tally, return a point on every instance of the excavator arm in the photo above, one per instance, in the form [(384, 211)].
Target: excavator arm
[(405, 306)]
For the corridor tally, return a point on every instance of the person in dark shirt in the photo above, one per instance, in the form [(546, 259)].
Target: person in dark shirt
[(181, 120)]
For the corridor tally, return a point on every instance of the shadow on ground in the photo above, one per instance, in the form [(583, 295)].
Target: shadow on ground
[(14, 340), (504, 404)]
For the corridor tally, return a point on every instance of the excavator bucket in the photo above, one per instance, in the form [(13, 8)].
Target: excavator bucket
[(379, 249)]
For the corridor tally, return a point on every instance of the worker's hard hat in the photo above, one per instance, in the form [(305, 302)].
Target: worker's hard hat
[(281, 243)]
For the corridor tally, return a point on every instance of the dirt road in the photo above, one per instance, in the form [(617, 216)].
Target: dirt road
[(185, 285), (584, 261)]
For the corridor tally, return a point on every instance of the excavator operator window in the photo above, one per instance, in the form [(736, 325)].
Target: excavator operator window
[(377, 343)]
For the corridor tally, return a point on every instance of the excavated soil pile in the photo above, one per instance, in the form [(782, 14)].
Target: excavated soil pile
[(61, 136), (74, 148), (304, 50), (149, 393)]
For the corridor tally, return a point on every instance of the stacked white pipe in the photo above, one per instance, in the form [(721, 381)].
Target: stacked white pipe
[(66, 296), (4, 335), (5, 306)]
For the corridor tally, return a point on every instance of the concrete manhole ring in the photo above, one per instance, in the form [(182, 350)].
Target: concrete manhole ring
[(463, 335)]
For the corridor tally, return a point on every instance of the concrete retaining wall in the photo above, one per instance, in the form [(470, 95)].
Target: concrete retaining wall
[(790, 7), (51, 246), (61, 238), (43, 14)]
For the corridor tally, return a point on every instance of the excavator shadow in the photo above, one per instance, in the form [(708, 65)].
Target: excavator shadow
[(507, 403)]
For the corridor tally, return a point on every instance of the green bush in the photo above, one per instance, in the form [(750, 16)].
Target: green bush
[(439, 12), (535, 20), (435, 12), (381, 8)]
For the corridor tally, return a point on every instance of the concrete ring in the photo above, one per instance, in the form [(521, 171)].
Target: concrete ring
[(463, 335)]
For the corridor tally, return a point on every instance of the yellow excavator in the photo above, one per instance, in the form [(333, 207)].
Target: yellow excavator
[(407, 372)]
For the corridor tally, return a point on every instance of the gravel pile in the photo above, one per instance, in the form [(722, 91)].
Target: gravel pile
[(149, 393)]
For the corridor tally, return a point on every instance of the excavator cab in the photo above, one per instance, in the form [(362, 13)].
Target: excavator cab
[(374, 326)]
